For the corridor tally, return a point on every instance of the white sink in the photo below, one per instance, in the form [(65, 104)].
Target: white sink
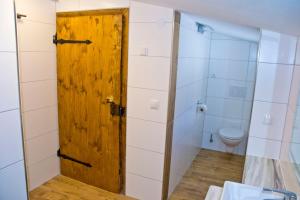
[(237, 191)]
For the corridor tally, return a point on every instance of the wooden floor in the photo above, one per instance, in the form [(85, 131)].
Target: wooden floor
[(63, 188), (208, 168)]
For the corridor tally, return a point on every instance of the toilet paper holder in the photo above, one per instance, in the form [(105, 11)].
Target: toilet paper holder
[(201, 107)]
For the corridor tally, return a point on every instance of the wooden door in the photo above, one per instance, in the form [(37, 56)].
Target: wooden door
[(88, 74)]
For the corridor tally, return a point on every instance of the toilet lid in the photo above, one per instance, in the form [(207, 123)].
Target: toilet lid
[(232, 133)]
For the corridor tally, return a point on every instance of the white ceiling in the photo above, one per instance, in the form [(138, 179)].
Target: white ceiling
[(278, 15)]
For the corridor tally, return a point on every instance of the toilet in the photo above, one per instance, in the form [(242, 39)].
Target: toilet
[(231, 137)]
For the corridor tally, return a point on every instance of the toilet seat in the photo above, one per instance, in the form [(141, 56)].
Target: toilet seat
[(231, 133)]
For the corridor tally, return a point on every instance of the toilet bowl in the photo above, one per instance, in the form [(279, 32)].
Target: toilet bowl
[(231, 136)]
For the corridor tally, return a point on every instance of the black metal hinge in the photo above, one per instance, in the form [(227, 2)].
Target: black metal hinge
[(63, 41), (59, 154)]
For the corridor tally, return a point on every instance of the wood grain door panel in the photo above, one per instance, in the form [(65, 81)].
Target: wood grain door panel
[(87, 75)]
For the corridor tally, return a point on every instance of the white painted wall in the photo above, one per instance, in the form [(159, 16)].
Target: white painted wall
[(230, 89), (150, 31), (272, 94), (37, 61), (192, 73), (12, 170)]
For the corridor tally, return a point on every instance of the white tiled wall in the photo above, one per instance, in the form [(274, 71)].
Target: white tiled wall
[(38, 88), (192, 71), (12, 169), (275, 77), (230, 89), (150, 44)]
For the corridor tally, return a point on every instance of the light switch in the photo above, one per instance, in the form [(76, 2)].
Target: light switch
[(154, 104)]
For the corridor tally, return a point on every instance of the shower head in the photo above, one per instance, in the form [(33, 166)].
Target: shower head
[(201, 28)]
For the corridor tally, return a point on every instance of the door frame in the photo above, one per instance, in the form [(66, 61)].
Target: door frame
[(124, 71)]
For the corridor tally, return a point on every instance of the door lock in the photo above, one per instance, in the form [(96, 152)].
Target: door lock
[(115, 109)]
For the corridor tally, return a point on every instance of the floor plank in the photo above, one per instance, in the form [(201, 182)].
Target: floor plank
[(208, 168), (64, 188)]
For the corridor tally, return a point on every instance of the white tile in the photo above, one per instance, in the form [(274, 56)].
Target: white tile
[(298, 52), (277, 48), (149, 72), (192, 44), (263, 148), (36, 66), (229, 49), (252, 70), (294, 97), (142, 188), (8, 81), (227, 88), (266, 127), (38, 95), (141, 12), (41, 172), (183, 124), (11, 146), (41, 148), (225, 107), (154, 38), (246, 125), (13, 182), (37, 10), (7, 26), (228, 69), (253, 52), (184, 98), (190, 70), (147, 135), (147, 104), (67, 5), (247, 110), (40, 121), (42, 34), (250, 90), (144, 163), (188, 96), (290, 125), (187, 129), (103, 4), (273, 82)]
